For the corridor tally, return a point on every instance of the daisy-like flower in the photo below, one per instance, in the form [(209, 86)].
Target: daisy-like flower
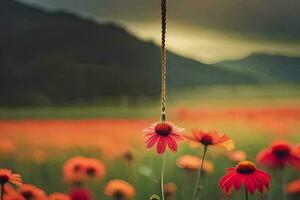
[(31, 192), (189, 162), (279, 155), (59, 196), (6, 176), (163, 134), (237, 156), (211, 138), (7, 147), (193, 163), (79, 169), (293, 188), (73, 169), (119, 190), (170, 190), (94, 169), (207, 139), (80, 194), (245, 173)]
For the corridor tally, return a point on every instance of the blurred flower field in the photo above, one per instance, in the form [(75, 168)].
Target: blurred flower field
[(119, 166)]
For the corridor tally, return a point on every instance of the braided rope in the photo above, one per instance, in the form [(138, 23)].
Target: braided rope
[(163, 58)]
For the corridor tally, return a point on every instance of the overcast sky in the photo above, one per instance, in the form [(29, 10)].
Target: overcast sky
[(206, 30)]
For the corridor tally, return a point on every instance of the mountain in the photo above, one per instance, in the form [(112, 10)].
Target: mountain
[(267, 68), (55, 57)]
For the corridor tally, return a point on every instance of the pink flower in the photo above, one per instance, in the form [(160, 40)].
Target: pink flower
[(163, 134)]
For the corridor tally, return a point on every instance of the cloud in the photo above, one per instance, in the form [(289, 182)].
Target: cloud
[(207, 30)]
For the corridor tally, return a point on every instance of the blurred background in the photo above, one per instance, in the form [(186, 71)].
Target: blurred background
[(82, 77)]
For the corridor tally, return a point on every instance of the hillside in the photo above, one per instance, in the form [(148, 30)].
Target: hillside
[(267, 68), (56, 57)]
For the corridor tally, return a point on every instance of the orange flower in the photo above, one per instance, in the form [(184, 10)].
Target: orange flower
[(170, 190), (193, 163), (189, 162), (6, 176), (94, 169), (79, 169), (73, 169), (7, 147), (237, 156), (119, 189), (293, 188), (39, 156), (31, 192), (59, 196), (14, 196), (211, 138)]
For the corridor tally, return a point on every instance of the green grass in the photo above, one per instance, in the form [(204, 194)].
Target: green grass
[(143, 107), (49, 174)]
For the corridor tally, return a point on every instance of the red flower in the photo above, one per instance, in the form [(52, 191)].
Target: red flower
[(80, 194), (163, 133), (278, 155), (211, 138), (245, 173)]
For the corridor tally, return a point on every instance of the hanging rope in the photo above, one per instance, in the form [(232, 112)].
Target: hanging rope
[(163, 58)]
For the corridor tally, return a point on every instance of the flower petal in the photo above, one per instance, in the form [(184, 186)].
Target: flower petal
[(249, 184), (152, 140), (172, 144), (161, 145)]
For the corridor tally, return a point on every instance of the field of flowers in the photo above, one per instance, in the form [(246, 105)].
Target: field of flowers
[(106, 158)]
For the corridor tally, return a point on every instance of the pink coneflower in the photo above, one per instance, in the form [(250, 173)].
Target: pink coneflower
[(279, 155), (211, 138), (245, 173), (206, 139), (163, 134)]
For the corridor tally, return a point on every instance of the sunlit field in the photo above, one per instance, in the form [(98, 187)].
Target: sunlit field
[(36, 142)]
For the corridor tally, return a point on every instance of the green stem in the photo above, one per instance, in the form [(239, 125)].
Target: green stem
[(162, 176), (283, 183), (246, 194), (2, 191), (197, 186), (183, 184)]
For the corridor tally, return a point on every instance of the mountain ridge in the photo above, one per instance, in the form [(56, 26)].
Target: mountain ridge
[(267, 68), (55, 57)]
